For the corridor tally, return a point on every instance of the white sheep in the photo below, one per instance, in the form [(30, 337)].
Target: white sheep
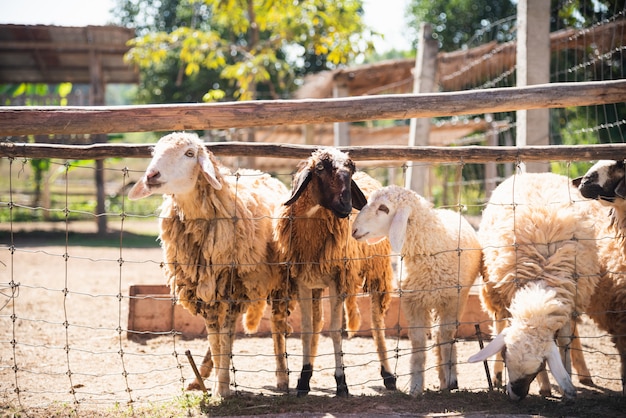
[(536, 229), (606, 182), (442, 257), (217, 237), (313, 234)]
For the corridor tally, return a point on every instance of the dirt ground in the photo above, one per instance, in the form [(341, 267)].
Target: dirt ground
[(63, 347)]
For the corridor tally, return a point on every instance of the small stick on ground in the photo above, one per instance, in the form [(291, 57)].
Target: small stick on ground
[(195, 371), (479, 335)]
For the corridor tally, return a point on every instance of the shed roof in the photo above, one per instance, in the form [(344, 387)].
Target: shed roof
[(56, 54)]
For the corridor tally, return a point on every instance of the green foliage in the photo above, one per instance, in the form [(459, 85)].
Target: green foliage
[(240, 49), (457, 23)]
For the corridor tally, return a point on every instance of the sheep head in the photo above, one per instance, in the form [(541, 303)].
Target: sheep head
[(327, 174), (177, 161), (605, 181), (384, 217), (528, 343)]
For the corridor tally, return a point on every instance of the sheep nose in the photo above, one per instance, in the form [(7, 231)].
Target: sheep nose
[(152, 177)]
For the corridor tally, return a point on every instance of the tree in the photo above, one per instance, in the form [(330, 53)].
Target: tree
[(457, 22), (239, 49)]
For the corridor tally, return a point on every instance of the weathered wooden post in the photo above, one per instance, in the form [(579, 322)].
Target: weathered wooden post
[(341, 129), (97, 91), (533, 67), (417, 177)]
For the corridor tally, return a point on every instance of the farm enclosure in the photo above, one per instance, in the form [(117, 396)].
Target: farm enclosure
[(67, 290)]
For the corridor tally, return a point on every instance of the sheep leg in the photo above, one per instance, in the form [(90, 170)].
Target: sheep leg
[(578, 359), (419, 320), (225, 340), (379, 305), (336, 318), (318, 321), (544, 383), (306, 306), (280, 330), (446, 351), (205, 370), (620, 344)]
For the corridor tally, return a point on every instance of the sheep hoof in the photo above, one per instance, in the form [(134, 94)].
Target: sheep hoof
[(303, 387), (195, 385), (585, 380), (388, 379), (545, 392), (453, 385), (342, 387)]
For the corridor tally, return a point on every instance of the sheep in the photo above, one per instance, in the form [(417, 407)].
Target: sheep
[(313, 235), (606, 183), (536, 229), (216, 231), (442, 258)]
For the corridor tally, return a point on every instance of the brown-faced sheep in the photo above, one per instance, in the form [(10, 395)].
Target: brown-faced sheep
[(216, 230), (536, 229), (442, 258), (606, 182), (313, 234)]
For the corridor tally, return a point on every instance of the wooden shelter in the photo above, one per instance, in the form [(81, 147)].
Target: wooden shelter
[(92, 55), (58, 54)]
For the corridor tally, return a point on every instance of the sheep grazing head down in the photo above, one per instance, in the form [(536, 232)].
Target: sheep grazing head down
[(177, 160), (528, 342), (383, 217), (605, 181), (328, 173)]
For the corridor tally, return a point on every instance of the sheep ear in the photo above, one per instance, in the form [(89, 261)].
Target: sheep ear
[(303, 178), (358, 198), (558, 371), (494, 347), (620, 189), (576, 182), (139, 191), (397, 229), (208, 170)]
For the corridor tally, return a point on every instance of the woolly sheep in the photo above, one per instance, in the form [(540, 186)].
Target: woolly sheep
[(606, 182), (217, 237), (536, 229), (313, 234), (442, 257)]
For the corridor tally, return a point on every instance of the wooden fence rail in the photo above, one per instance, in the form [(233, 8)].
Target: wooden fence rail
[(25, 120), (468, 154)]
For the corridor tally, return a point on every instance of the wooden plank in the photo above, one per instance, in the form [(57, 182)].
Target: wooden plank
[(151, 311), (150, 118), (465, 154)]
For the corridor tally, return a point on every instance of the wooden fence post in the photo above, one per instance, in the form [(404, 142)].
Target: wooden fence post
[(417, 177), (533, 67), (97, 91), (341, 129)]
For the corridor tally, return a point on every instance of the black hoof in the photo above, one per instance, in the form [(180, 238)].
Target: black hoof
[(453, 385), (388, 379), (304, 387), (342, 387)]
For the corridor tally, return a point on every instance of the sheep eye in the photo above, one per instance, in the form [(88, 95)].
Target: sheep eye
[(319, 166), (190, 153), (383, 208)]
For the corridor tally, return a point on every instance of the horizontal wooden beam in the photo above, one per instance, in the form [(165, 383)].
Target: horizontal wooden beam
[(15, 121), (464, 154)]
